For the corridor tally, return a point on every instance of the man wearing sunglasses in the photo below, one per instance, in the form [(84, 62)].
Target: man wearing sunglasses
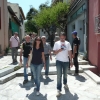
[(47, 53), (62, 49)]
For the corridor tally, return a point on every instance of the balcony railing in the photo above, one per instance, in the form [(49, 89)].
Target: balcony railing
[(73, 2)]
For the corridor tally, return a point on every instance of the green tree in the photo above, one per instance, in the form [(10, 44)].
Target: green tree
[(30, 26), (32, 12), (51, 16), (44, 5)]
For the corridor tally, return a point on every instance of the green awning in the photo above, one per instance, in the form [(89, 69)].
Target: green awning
[(14, 27)]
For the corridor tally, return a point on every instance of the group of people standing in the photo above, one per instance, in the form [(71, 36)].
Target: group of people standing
[(39, 50)]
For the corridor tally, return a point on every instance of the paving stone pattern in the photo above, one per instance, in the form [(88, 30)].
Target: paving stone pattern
[(80, 88)]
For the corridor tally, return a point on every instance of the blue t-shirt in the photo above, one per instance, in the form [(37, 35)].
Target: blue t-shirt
[(37, 56)]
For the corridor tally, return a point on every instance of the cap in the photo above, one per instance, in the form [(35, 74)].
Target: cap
[(43, 37), (74, 32)]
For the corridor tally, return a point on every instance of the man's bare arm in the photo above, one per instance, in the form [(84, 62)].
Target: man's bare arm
[(74, 50), (70, 55), (57, 51)]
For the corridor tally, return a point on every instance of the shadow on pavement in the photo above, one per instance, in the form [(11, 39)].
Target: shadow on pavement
[(33, 96), (27, 86), (68, 96), (46, 81), (80, 78), (13, 63)]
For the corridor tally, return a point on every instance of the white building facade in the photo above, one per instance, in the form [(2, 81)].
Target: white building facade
[(77, 21), (19, 13)]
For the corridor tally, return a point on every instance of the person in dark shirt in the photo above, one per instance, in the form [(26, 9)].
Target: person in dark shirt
[(75, 48), (25, 50), (37, 62)]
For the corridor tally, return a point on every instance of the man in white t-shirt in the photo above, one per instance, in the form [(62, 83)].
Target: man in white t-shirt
[(14, 44), (62, 49)]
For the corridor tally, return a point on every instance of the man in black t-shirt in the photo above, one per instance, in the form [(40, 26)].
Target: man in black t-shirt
[(25, 49), (75, 48)]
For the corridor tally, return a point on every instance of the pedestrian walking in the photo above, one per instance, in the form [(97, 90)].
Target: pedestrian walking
[(32, 35), (14, 45), (56, 37), (25, 50), (37, 62), (75, 49), (47, 53), (62, 49)]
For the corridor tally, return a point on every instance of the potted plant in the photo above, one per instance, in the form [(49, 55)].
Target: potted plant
[(6, 50)]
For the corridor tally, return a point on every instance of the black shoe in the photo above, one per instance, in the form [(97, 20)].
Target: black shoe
[(16, 61), (25, 81)]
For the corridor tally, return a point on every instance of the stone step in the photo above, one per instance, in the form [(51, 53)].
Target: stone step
[(81, 62), (52, 71), (93, 76), (7, 78), (87, 67), (8, 70)]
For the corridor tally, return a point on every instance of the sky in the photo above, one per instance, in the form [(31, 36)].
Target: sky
[(25, 4)]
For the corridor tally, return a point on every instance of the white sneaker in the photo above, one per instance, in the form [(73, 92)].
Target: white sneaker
[(58, 93), (66, 86), (38, 93)]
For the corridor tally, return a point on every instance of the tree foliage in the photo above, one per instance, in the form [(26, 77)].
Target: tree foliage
[(32, 12), (51, 16), (30, 26)]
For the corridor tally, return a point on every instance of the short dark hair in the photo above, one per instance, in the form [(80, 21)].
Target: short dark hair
[(62, 34)]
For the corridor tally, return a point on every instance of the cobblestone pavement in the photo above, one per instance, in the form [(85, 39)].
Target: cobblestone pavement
[(80, 88)]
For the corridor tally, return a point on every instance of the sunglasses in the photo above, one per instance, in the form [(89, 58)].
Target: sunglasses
[(43, 38), (38, 40)]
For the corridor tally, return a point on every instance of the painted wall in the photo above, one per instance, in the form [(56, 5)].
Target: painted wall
[(94, 38), (79, 28), (16, 9), (4, 25)]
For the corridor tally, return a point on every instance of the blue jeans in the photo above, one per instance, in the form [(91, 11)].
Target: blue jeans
[(47, 66), (37, 73), (61, 66), (25, 69)]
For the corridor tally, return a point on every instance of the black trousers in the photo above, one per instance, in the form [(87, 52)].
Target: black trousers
[(76, 63)]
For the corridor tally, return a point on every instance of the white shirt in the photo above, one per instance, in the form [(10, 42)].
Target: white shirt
[(14, 41), (63, 55)]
